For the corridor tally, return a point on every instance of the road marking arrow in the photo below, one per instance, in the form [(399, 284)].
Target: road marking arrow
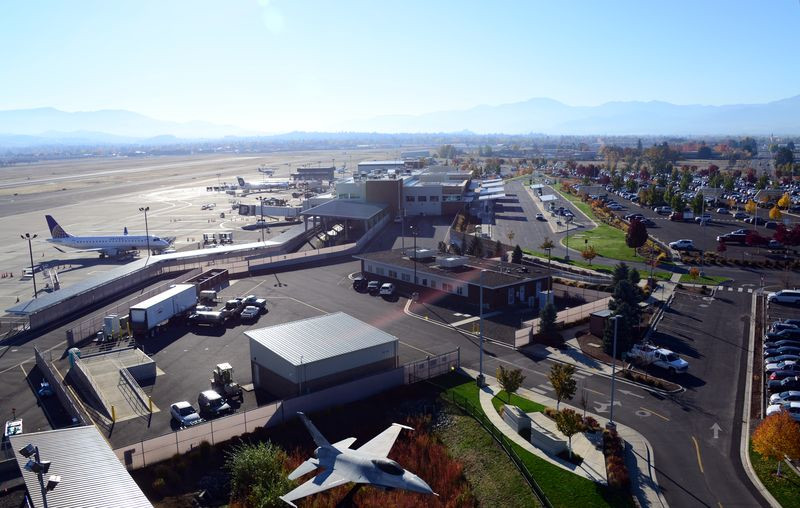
[(716, 428), (626, 392)]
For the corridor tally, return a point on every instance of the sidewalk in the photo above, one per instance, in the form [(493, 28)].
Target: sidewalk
[(639, 455)]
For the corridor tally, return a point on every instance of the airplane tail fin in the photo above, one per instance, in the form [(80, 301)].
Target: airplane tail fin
[(56, 231), (319, 439), (125, 231), (241, 181)]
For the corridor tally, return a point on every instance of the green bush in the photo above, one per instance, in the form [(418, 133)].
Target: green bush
[(257, 474), (159, 487)]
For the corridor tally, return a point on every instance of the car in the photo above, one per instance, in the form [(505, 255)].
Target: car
[(733, 236), (790, 296), (255, 301), (540, 216), (774, 367), (722, 211), (250, 313), (359, 283), (774, 244), (786, 384), (634, 216), (788, 396), (782, 358), (740, 215), (683, 244), (795, 322), (662, 210), (373, 286), (792, 369), (778, 326), (615, 206), (387, 289), (212, 404), (785, 333), (706, 217), (793, 408), (771, 224), (184, 414), (782, 350), (647, 222), (203, 308)]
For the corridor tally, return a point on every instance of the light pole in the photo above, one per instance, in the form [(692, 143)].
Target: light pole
[(414, 234), (480, 299), (40, 467), (145, 209), (261, 209), (27, 236), (613, 368), (566, 245)]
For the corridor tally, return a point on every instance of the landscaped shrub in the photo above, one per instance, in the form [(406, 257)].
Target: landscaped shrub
[(591, 424), (614, 452), (550, 412), (159, 487)]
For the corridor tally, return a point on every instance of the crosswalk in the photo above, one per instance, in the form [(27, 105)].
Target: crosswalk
[(547, 387), (731, 288)]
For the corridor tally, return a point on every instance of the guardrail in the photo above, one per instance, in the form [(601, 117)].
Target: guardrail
[(134, 386), (522, 337)]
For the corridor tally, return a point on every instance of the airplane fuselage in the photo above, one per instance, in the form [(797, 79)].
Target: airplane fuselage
[(370, 469), (111, 244)]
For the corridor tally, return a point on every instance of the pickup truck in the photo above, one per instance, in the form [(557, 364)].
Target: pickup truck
[(253, 300), (660, 357)]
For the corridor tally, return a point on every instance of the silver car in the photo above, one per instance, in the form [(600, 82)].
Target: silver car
[(790, 396), (185, 414)]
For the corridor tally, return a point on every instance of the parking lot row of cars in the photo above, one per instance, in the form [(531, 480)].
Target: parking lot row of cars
[(781, 355), (246, 308)]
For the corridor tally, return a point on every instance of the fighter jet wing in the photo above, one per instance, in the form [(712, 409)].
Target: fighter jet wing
[(323, 481), (381, 444)]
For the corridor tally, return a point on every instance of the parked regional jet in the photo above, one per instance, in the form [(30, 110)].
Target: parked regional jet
[(105, 245), (268, 185), (367, 464)]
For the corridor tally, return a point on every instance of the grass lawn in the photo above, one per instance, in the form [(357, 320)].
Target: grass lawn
[(784, 489), (561, 487), (526, 405), (705, 279), (598, 268)]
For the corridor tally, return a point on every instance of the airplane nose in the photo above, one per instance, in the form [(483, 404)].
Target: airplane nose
[(417, 484)]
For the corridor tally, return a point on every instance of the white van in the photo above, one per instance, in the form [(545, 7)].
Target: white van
[(791, 296)]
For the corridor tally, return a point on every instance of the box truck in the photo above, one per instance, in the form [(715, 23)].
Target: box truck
[(145, 316)]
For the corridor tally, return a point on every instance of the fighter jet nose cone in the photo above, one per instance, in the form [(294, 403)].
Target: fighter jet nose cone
[(417, 484)]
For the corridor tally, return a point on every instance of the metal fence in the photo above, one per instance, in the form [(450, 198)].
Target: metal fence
[(505, 443), (564, 318), (154, 450)]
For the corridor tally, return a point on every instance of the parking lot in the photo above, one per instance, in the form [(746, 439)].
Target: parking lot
[(777, 312)]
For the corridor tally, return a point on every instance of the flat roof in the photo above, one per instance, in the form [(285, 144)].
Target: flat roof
[(548, 197), (319, 338), (345, 209), (496, 275), (91, 474)]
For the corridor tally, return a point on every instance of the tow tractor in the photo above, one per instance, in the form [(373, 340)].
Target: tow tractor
[(223, 382)]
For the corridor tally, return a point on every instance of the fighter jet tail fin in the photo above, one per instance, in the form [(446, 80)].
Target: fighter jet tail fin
[(319, 439)]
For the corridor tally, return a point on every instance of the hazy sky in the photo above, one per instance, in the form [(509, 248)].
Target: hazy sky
[(280, 65)]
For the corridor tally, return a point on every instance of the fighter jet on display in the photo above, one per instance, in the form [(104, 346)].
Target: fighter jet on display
[(341, 464), (106, 245)]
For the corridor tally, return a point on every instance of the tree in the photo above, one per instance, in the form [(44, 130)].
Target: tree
[(636, 236), (775, 213), (547, 245), (498, 249), (721, 247), (625, 304), (589, 253), (561, 377), (694, 273), (762, 182), (621, 272), (697, 203), (569, 423), (777, 438), (785, 201), (750, 207), (475, 247), (704, 152), (547, 319), (516, 255), (510, 380), (256, 474), (784, 156)]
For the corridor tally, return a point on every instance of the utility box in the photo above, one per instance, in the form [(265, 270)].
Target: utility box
[(111, 326)]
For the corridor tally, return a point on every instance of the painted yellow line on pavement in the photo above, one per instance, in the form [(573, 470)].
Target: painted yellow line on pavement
[(697, 449), (651, 411), (595, 391)]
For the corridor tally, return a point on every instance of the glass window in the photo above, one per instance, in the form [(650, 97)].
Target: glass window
[(422, 198), (434, 199), (410, 198)]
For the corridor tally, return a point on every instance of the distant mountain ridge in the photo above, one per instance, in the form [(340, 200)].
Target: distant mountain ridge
[(548, 116), (104, 125)]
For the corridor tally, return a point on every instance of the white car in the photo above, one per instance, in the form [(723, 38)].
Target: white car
[(683, 244), (785, 296), (793, 408), (185, 414), (790, 396), (250, 312), (772, 367), (387, 289)]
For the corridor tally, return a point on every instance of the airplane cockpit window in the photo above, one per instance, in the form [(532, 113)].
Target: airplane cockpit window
[(156, 239), (389, 466)]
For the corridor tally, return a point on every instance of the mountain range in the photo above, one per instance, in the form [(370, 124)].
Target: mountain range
[(28, 127)]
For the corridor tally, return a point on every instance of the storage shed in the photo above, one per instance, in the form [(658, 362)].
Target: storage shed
[(311, 354)]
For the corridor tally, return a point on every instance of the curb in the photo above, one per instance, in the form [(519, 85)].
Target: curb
[(744, 454)]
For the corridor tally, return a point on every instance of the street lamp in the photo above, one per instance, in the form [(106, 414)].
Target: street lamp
[(27, 236), (414, 234), (568, 220), (480, 288), (613, 368), (261, 208), (40, 467), (145, 209)]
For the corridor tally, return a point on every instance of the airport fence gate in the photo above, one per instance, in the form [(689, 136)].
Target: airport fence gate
[(144, 453)]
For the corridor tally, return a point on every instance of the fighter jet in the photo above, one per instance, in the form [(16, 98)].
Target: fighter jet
[(341, 464)]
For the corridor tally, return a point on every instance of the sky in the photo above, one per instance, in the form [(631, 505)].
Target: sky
[(282, 65)]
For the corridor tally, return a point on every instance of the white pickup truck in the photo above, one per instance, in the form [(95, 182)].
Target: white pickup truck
[(660, 357)]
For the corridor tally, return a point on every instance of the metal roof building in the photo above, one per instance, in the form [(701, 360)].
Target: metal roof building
[(315, 353), (91, 474)]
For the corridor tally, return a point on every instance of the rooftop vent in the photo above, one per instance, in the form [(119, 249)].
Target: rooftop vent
[(451, 261)]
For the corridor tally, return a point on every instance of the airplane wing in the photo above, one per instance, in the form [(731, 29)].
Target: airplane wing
[(344, 444), (323, 481), (382, 444)]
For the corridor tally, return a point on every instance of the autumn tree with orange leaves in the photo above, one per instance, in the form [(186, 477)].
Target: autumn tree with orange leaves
[(777, 438)]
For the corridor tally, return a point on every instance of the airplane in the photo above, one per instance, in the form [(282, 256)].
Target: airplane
[(341, 464), (269, 185), (105, 245)]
